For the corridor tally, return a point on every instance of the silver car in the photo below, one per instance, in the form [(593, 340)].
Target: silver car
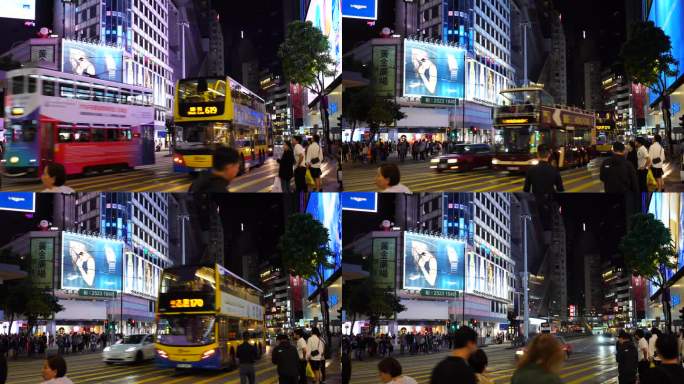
[(133, 348)]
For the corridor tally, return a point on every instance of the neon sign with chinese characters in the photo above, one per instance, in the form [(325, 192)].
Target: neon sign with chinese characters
[(186, 303)]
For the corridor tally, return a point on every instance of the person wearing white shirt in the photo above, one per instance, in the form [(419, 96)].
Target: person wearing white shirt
[(54, 371), (657, 155), (652, 344), (387, 179), (314, 158), (315, 349), (302, 353), (53, 179), (390, 372), (643, 163), (642, 352), (299, 165)]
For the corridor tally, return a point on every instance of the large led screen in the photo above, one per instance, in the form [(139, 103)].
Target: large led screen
[(433, 70), (669, 16), (433, 262), (18, 201), (91, 262), (92, 60), (18, 9), (360, 201), (360, 9), (141, 277), (325, 207), (666, 207), (485, 278), (326, 15)]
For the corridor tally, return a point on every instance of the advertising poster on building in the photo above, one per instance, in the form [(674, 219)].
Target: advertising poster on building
[(433, 262), (18, 9), (485, 278), (91, 262), (325, 208), (42, 259), (360, 9), (92, 60), (384, 261), (385, 69), (433, 70), (141, 277), (326, 15)]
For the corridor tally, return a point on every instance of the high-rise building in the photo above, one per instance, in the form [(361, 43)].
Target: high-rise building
[(406, 18), (526, 14), (141, 28), (186, 51), (617, 96), (215, 63), (554, 74), (593, 99)]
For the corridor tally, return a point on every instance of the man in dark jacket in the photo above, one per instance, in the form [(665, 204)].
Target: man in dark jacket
[(617, 174), (626, 356), (455, 366), (543, 178), (670, 370), (247, 356), (285, 357), (225, 167)]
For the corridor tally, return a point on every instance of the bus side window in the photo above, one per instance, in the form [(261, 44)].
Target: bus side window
[(83, 93), (48, 88), (123, 99), (112, 134), (18, 85), (32, 84), (82, 135), (98, 94), (233, 329), (65, 135), (99, 134), (126, 135), (111, 96), (66, 90)]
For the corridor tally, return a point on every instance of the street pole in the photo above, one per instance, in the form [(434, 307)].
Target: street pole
[(465, 69), (525, 25), (183, 218), (183, 25), (526, 304)]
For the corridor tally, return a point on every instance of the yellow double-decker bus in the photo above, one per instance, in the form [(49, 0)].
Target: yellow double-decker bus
[(217, 111), (202, 313)]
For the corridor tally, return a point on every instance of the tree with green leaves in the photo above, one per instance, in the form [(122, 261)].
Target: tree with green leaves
[(365, 297), (306, 61), (649, 251), (22, 298), (646, 58), (382, 113), (304, 252)]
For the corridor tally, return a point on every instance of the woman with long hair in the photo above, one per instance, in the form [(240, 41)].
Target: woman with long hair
[(541, 362)]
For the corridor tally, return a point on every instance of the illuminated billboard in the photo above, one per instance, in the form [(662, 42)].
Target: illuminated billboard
[(485, 278), (91, 262), (326, 15), (325, 207), (359, 201), (141, 277), (666, 207), (433, 70), (432, 262), (668, 15), (18, 9), (360, 9), (18, 201), (92, 60)]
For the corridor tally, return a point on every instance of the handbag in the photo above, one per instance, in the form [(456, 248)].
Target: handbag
[(309, 371), (651, 181), (277, 186), (658, 159), (309, 179), (317, 159)]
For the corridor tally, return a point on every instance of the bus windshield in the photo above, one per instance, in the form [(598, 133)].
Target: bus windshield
[(203, 134), (205, 90), (515, 140), (188, 279), (24, 131), (186, 330), (534, 97)]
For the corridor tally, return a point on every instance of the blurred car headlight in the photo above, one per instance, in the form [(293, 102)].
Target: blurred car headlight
[(519, 352), (107, 349), (495, 161), (434, 161), (534, 161), (452, 161)]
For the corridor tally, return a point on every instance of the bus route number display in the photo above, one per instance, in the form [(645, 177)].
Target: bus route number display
[(201, 110), (186, 303)]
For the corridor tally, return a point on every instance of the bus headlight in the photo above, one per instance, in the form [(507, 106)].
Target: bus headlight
[(495, 161), (14, 159), (208, 353), (534, 161), (162, 354), (178, 159)]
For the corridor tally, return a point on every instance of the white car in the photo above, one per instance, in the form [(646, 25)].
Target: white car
[(133, 348)]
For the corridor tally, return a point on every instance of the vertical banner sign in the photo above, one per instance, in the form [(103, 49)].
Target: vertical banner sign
[(385, 69), (384, 261), (42, 256)]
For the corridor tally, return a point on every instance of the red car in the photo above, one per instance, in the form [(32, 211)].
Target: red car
[(463, 157), (567, 348)]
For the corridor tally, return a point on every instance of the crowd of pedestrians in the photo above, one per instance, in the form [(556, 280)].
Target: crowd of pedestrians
[(651, 357), (366, 152), (23, 344), (300, 359)]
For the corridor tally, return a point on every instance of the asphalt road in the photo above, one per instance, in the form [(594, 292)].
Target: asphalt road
[(160, 177), (82, 369), (590, 362)]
